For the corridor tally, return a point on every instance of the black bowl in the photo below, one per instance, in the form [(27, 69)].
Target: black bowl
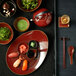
[(10, 7)]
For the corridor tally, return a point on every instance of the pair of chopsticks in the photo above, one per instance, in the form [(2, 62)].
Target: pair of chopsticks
[(64, 50)]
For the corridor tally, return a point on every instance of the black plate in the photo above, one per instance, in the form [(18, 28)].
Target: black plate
[(48, 68)]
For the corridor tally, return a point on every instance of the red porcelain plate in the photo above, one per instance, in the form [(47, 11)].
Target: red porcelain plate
[(34, 64)]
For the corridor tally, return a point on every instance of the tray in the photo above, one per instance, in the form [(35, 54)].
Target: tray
[(48, 68)]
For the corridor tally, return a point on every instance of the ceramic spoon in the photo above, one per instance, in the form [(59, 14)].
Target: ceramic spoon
[(71, 52)]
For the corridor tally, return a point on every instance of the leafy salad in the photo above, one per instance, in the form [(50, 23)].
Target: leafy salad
[(29, 4), (4, 33)]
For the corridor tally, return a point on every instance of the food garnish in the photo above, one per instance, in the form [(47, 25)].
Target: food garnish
[(5, 33), (29, 4), (30, 54), (33, 44)]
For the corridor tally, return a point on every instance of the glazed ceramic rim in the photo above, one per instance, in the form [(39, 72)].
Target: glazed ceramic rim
[(24, 18), (11, 34), (29, 10), (41, 63), (13, 13)]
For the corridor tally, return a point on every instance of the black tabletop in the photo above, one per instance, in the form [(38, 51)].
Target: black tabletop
[(48, 67), (66, 7)]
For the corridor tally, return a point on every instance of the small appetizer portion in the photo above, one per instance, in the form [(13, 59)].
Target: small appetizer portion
[(28, 5), (23, 48), (17, 63), (8, 8), (21, 24), (25, 65), (33, 44), (13, 54), (5, 33)]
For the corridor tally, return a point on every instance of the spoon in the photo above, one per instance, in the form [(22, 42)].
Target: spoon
[(71, 52)]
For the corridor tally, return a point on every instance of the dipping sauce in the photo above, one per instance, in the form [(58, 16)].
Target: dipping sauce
[(22, 25), (30, 54)]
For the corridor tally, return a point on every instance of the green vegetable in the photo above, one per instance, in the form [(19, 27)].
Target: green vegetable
[(29, 4), (4, 33), (22, 25), (32, 44)]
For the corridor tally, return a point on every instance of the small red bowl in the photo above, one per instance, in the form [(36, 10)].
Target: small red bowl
[(19, 4), (21, 18), (3, 24)]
